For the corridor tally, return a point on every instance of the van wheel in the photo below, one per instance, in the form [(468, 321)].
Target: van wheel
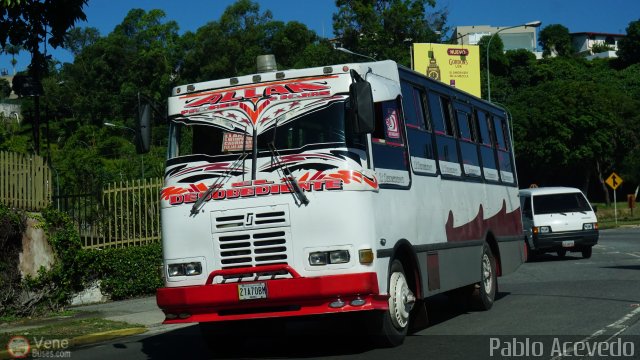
[(586, 252), (529, 254), (392, 325), (485, 291), (562, 253)]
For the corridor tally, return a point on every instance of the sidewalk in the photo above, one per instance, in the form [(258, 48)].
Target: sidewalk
[(142, 311), (143, 314)]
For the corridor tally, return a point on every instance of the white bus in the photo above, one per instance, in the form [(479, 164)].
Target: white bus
[(361, 187)]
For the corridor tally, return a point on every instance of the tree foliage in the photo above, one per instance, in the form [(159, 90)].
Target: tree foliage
[(385, 29), (5, 89), (555, 41), (629, 46), (573, 119)]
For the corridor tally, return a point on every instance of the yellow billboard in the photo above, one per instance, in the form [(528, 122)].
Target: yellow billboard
[(453, 64)]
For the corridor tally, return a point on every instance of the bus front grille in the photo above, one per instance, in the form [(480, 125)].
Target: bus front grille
[(253, 248)]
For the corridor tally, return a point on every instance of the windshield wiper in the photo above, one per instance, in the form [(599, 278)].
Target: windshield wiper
[(289, 178), (219, 182)]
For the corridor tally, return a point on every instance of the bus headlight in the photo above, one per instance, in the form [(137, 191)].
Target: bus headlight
[(339, 257), (185, 269), (193, 268), (329, 257), (318, 258), (176, 270)]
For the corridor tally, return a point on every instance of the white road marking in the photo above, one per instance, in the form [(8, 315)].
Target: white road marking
[(620, 325)]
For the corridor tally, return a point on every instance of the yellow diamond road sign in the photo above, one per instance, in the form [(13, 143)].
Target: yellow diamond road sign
[(614, 181)]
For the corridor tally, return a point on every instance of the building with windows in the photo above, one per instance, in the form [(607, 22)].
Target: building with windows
[(584, 43), (521, 37)]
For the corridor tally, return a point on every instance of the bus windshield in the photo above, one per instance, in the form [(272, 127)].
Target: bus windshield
[(323, 126)]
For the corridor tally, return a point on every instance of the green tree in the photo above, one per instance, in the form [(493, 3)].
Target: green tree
[(79, 38), (385, 29), (228, 47), (32, 23), (629, 46), (567, 130), (555, 41), (13, 50), (5, 89)]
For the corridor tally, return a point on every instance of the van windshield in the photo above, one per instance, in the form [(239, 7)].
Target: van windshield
[(560, 203)]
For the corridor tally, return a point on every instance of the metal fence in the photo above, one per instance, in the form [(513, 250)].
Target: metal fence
[(125, 214), (25, 181)]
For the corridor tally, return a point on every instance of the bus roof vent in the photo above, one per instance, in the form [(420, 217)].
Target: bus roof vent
[(266, 63)]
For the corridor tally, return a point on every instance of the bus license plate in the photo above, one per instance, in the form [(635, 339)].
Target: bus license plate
[(252, 291), (567, 243)]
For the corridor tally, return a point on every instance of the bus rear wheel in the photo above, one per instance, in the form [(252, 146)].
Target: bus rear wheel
[(485, 291), (392, 325)]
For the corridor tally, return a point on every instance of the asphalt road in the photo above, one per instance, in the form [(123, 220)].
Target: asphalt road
[(551, 308)]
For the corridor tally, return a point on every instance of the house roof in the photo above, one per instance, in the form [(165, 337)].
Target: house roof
[(597, 34)]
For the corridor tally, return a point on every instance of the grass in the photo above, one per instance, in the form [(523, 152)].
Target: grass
[(607, 218), (67, 329), (16, 320)]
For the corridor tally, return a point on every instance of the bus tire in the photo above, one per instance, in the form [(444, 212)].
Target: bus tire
[(392, 325), (485, 291)]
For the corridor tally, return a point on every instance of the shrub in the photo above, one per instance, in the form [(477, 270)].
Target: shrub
[(12, 224), (124, 272), (129, 272), (52, 289)]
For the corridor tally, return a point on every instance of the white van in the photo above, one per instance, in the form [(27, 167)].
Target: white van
[(558, 219)]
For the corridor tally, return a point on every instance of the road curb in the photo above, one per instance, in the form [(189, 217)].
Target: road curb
[(89, 339), (105, 335)]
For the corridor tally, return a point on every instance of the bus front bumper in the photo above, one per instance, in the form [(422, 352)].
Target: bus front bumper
[(295, 296)]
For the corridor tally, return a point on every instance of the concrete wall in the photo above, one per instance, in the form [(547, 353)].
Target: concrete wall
[(36, 251)]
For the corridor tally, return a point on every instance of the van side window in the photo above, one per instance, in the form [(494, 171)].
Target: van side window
[(414, 103)]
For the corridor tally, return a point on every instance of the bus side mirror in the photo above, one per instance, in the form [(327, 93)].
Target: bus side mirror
[(144, 129), (363, 115)]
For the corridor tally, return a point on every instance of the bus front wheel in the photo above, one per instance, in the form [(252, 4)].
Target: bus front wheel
[(393, 325)]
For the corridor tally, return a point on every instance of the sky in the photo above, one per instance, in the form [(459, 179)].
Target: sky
[(612, 16)]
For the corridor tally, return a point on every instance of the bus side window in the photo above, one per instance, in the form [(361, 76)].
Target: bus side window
[(487, 155), (419, 137), (504, 154), (467, 141), (388, 145), (447, 148)]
